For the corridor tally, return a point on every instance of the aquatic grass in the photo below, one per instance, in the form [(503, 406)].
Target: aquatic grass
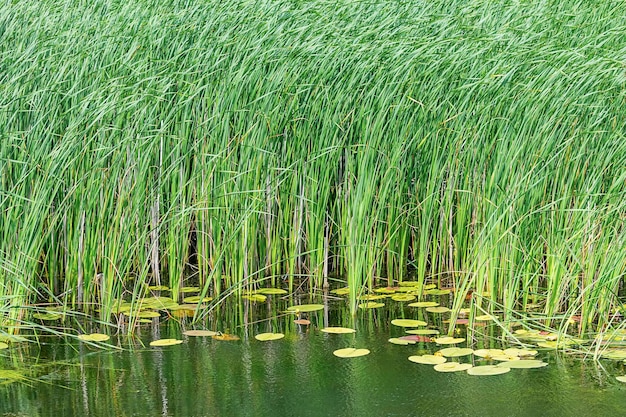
[(480, 146)]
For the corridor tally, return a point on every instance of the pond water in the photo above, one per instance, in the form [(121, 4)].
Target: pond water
[(295, 376)]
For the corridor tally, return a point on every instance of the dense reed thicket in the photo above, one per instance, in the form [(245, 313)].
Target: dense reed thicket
[(479, 142)]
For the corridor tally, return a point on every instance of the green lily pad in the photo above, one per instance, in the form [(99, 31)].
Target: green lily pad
[(621, 378), (447, 340), (403, 297), (437, 292), (408, 323), (341, 291), (48, 316), (615, 354), (257, 298), (264, 337), (371, 304), (423, 331), (437, 310), (453, 352), (488, 370), (428, 359), (350, 352), (338, 330), (519, 352), (272, 291), (505, 358), (484, 317), (146, 314), (305, 308), (452, 367), (488, 353), (199, 333), (189, 289), (408, 284), (3, 346), (159, 288), (384, 290), (424, 304), (523, 364), (94, 337), (370, 297), (196, 299), (166, 342), (402, 342)]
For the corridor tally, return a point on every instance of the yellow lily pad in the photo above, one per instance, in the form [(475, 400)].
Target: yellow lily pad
[(305, 308), (488, 353), (408, 323), (488, 370), (272, 291), (452, 367), (453, 352), (505, 358), (199, 333), (424, 304), (371, 304), (159, 288), (402, 342), (370, 297), (189, 289), (384, 290), (428, 359), (166, 342), (257, 298), (403, 297), (523, 364), (437, 292), (408, 284), (338, 330), (350, 352), (146, 314), (519, 352), (341, 291), (437, 310), (484, 317), (447, 340), (196, 299), (264, 337), (94, 337)]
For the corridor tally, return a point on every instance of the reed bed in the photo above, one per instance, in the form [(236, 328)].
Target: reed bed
[(231, 144)]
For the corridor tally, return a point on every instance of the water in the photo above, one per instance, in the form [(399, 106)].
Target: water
[(296, 376)]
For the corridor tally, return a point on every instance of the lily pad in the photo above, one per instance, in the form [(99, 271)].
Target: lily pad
[(453, 352), (437, 310), (402, 342), (146, 314), (452, 367), (3, 346), (166, 342), (428, 359), (94, 337), (370, 297), (519, 352), (403, 297), (424, 304), (341, 291), (621, 378), (303, 322), (189, 289), (199, 333), (385, 290), (196, 299), (272, 291), (488, 370), (488, 353), (616, 354), (225, 337), (423, 331), (409, 284), (305, 308), (371, 304), (408, 323), (484, 317), (257, 298), (159, 288), (505, 358), (447, 340), (338, 330), (48, 316), (416, 338), (350, 352), (437, 292), (523, 364), (264, 337)]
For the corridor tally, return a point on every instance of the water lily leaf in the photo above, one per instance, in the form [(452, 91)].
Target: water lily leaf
[(409, 284), (264, 337), (3, 346), (305, 308), (437, 292), (94, 337), (189, 289), (430, 286), (165, 342), (519, 352), (416, 338), (272, 291), (488, 370), (225, 337), (341, 291), (403, 297), (408, 323), (338, 330), (146, 314), (199, 333), (371, 304), (428, 359), (453, 352), (447, 340), (488, 353), (370, 297), (616, 354), (350, 352), (452, 367), (191, 307), (437, 310), (182, 313), (48, 316), (484, 317), (303, 322), (424, 304), (505, 358), (255, 297), (196, 299), (422, 331), (411, 290), (403, 342), (386, 290), (621, 378), (523, 364), (159, 288)]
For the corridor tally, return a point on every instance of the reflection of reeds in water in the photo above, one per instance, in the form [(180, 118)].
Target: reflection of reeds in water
[(261, 141)]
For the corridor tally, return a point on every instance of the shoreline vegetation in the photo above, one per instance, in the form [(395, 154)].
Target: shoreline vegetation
[(480, 146)]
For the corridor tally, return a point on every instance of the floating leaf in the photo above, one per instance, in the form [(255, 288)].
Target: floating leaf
[(341, 291), (416, 338), (621, 378), (350, 352), (452, 367), (386, 290), (616, 354), (403, 342), (94, 337), (424, 304), (272, 291), (3, 346), (484, 317), (523, 364), (189, 289), (505, 358), (403, 297), (371, 304), (200, 333), (146, 314), (264, 337), (437, 292), (225, 337), (519, 352), (305, 308), (488, 370), (166, 342), (159, 288), (196, 299), (437, 310), (454, 352), (370, 297), (422, 331), (409, 284), (488, 353), (48, 316), (338, 330), (428, 359), (303, 322), (447, 340), (255, 297), (408, 323)]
